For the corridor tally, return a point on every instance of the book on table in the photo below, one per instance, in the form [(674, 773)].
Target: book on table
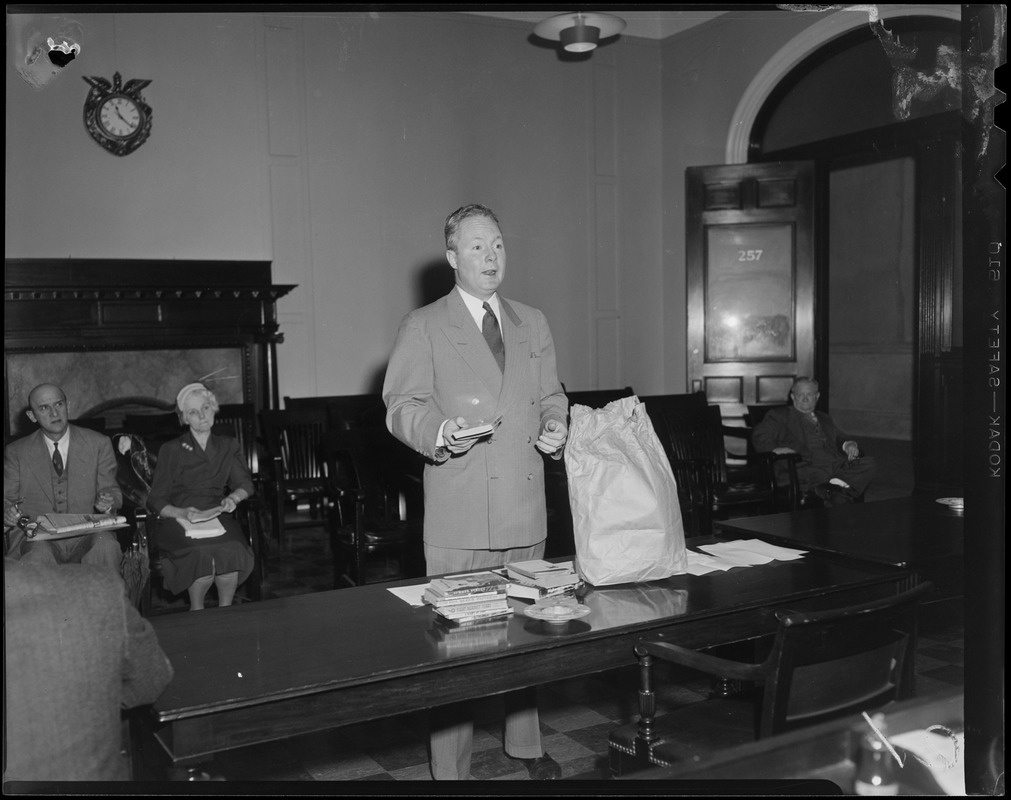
[(530, 590), (470, 609), (471, 583), (65, 526), (474, 616), (435, 598), (542, 573)]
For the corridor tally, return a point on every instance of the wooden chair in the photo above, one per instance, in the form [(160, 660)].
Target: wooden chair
[(693, 436), (141, 563), (155, 429), (365, 518), (294, 438), (821, 665), (238, 420), (96, 424), (249, 517), (345, 411)]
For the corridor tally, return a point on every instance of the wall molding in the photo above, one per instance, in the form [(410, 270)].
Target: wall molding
[(796, 50)]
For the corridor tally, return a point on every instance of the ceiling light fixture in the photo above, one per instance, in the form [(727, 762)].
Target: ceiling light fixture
[(579, 32)]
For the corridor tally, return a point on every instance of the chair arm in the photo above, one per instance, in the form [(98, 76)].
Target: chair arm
[(712, 665), (791, 460), (736, 432), (137, 517)]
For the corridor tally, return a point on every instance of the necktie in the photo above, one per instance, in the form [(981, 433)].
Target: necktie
[(492, 335), (57, 459)]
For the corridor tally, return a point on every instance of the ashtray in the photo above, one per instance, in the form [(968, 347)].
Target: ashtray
[(557, 612)]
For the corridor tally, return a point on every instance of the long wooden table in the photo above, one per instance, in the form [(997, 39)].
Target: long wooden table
[(915, 532), (279, 668)]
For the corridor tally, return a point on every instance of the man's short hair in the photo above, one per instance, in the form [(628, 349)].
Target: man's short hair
[(43, 385), (803, 379), (454, 220)]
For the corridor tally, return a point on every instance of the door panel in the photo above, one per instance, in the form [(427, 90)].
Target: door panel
[(750, 272)]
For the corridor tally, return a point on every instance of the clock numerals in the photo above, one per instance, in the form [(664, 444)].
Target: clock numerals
[(119, 117)]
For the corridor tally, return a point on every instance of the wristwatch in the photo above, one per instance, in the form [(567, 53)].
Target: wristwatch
[(441, 452)]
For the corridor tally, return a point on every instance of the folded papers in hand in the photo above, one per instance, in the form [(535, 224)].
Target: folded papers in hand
[(475, 432), (210, 513), (201, 530)]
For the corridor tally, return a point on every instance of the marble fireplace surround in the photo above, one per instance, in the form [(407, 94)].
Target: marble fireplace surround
[(123, 337), (111, 383)]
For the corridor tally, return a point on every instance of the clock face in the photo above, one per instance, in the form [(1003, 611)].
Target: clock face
[(120, 117)]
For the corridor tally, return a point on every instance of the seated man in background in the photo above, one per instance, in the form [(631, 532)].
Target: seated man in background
[(76, 653), (59, 469), (831, 465)]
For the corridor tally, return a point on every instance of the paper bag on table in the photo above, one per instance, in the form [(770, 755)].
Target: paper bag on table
[(626, 517)]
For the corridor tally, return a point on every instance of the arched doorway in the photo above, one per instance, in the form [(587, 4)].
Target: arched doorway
[(888, 253)]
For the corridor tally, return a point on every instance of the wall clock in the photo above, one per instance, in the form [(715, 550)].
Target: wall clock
[(116, 115)]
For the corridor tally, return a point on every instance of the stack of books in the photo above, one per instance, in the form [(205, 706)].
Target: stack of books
[(538, 578), (475, 597)]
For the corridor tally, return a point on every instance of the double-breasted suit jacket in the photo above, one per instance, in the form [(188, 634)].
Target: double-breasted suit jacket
[(492, 496)]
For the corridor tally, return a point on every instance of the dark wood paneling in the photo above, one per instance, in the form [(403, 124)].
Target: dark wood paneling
[(71, 305)]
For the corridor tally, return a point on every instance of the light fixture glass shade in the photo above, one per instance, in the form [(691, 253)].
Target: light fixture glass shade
[(579, 38), (579, 32)]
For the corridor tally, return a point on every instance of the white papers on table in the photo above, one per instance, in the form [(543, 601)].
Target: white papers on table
[(410, 594), (700, 563), (941, 750), (742, 553)]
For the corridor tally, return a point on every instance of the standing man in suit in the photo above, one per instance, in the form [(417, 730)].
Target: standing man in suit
[(60, 469), (76, 653), (831, 465), (474, 357)]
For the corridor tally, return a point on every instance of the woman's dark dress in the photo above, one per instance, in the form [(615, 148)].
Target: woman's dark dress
[(188, 475)]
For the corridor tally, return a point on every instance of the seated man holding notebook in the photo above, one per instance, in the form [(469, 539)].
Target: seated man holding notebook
[(59, 469)]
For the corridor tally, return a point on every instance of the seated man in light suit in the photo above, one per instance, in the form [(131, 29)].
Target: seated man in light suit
[(831, 464), (59, 469)]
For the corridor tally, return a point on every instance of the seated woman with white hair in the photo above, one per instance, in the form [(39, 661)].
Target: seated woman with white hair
[(197, 473)]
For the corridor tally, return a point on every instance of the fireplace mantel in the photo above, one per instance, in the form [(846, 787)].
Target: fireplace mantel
[(127, 317)]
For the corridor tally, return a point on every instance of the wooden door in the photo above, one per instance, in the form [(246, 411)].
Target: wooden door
[(751, 281)]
